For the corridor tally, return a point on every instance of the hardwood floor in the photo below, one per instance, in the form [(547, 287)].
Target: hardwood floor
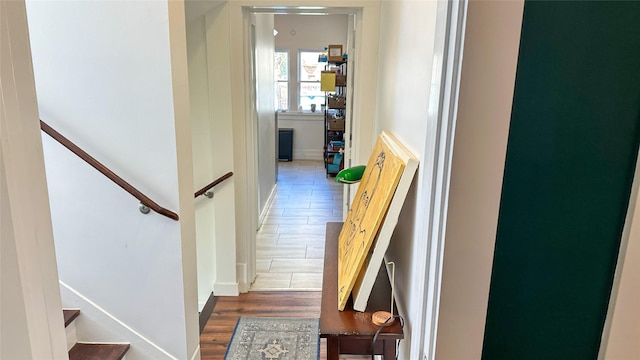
[(305, 201), (98, 351), (218, 330)]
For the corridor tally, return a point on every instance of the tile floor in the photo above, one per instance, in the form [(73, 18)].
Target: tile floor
[(290, 242)]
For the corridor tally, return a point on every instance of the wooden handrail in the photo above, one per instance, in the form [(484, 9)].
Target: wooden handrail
[(214, 183), (145, 200)]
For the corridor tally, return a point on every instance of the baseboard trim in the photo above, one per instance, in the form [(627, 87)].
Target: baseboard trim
[(267, 205), (196, 354), (225, 289), (243, 281), (206, 311), (307, 154)]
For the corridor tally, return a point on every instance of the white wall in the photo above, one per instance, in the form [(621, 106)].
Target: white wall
[(202, 155), (404, 88), (405, 69), (308, 136), (307, 32), (364, 68), (30, 305), (196, 8), (111, 76), (210, 128), (218, 59), (265, 109)]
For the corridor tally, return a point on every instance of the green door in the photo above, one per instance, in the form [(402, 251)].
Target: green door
[(571, 155)]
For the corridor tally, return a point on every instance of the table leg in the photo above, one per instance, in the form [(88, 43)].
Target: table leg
[(333, 348), (389, 349)]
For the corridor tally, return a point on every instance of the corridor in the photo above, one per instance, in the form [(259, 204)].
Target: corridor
[(290, 242)]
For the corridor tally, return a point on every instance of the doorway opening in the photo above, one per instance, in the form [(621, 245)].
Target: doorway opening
[(296, 198)]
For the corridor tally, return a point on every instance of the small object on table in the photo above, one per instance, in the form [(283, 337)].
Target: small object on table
[(382, 318)]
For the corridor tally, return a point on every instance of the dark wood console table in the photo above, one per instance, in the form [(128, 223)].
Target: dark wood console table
[(349, 331)]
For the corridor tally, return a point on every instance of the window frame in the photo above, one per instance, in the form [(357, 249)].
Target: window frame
[(300, 82), (287, 82)]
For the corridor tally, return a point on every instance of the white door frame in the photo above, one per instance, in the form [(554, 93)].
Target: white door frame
[(438, 152)]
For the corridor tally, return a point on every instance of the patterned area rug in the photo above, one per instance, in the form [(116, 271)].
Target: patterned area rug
[(270, 338)]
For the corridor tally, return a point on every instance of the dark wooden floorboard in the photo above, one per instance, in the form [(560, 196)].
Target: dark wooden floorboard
[(69, 316), (218, 330), (98, 351)]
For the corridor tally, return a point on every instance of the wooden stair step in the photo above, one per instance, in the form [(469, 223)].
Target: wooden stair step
[(69, 315), (82, 351)]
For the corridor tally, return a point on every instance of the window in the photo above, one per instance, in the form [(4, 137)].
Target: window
[(281, 73), (309, 80)]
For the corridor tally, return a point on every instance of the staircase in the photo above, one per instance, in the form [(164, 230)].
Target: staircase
[(89, 351)]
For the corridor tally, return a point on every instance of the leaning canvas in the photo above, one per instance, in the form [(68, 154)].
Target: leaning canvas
[(371, 218)]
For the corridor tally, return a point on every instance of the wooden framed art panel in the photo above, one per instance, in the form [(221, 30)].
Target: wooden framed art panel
[(365, 281), (357, 241)]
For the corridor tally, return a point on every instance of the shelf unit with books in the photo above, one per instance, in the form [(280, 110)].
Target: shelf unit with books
[(334, 117)]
